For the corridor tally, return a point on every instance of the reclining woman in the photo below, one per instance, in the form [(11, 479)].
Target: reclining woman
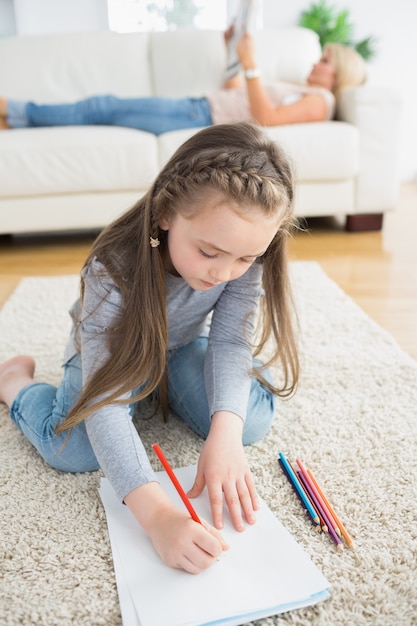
[(270, 104)]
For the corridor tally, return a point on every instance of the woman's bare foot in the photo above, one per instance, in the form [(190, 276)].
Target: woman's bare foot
[(3, 115), (15, 374), (3, 107)]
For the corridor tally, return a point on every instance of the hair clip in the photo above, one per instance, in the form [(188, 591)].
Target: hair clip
[(154, 241)]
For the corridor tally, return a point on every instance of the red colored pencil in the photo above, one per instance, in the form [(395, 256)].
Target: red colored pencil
[(161, 456)]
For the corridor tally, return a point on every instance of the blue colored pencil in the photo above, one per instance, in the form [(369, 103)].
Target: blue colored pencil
[(289, 472), (316, 526)]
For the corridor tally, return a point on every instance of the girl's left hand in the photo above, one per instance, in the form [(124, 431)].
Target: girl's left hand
[(223, 467)]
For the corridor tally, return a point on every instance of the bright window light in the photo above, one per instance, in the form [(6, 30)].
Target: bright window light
[(127, 16)]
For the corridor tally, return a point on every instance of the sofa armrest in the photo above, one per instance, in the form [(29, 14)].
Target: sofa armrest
[(376, 113)]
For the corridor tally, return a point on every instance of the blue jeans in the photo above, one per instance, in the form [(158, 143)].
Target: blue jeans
[(154, 115), (39, 408)]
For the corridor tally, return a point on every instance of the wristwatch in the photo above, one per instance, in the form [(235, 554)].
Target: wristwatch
[(252, 72)]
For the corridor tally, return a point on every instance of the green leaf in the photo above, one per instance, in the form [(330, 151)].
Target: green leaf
[(367, 48), (332, 25)]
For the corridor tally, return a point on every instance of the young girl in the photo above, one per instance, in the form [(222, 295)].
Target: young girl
[(209, 238)]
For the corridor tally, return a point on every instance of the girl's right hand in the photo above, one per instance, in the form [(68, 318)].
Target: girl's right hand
[(179, 540), (183, 543)]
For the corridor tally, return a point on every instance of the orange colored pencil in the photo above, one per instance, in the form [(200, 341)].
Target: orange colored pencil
[(343, 530)]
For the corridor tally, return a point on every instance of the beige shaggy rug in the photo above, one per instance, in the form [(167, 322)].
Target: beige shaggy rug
[(353, 422)]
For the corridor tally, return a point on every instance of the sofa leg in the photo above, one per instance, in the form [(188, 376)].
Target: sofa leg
[(364, 221)]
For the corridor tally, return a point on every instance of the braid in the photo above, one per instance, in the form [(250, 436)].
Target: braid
[(245, 177)]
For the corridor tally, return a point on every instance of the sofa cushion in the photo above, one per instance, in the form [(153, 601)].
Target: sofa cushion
[(320, 151), (181, 74), (323, 151), (287, 54), (70, 66), (42, 161)]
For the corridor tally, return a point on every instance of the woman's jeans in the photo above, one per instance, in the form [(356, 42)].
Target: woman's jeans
[(154, 115), (39, 408)]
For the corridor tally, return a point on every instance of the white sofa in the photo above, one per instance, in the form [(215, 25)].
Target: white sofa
[(73, 178)]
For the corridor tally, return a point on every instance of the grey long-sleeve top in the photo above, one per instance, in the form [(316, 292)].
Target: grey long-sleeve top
[(112, 434)]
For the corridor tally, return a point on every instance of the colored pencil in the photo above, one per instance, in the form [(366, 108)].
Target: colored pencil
[(343, 530), (322, 524), (318, 497), (317, 526), (323, 513), (296, 484), (161, 456)]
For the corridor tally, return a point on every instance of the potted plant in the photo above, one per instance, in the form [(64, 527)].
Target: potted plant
[(332, 25)]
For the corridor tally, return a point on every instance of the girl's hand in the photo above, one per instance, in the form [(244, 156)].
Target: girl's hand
[(183, 543), (180, 541), (223, 467)]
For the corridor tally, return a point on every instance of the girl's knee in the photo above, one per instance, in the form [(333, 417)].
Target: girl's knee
[(60, 461), (256, 429), (69, 452), (260, 415), (36, 413)]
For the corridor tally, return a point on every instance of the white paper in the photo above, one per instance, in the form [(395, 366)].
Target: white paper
[(270, 572)]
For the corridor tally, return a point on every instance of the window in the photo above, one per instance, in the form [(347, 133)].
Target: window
[(143, 15)]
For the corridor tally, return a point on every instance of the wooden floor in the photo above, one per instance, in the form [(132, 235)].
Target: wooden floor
[(378, 270)]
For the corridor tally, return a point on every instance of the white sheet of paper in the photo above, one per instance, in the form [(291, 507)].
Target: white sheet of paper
[(271, 573)]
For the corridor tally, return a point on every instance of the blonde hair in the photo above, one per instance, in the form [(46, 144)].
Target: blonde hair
[(350, 67), (245, 167)]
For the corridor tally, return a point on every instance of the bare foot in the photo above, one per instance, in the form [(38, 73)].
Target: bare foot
[(15, 374), (3, 124), (3, 107), (3, 115)]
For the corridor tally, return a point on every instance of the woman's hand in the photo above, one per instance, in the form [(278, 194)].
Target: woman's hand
[(181, 542), (246, 52), (223, 467), (228, 34)]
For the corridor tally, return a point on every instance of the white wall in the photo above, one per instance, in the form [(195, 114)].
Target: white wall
[(394, 25), (48, 16), (7, 21)]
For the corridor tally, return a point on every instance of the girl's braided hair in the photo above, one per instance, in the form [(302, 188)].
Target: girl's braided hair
[(235, 160), (238, 162)]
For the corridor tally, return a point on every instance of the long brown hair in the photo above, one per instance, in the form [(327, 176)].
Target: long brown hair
[(248, 169)]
